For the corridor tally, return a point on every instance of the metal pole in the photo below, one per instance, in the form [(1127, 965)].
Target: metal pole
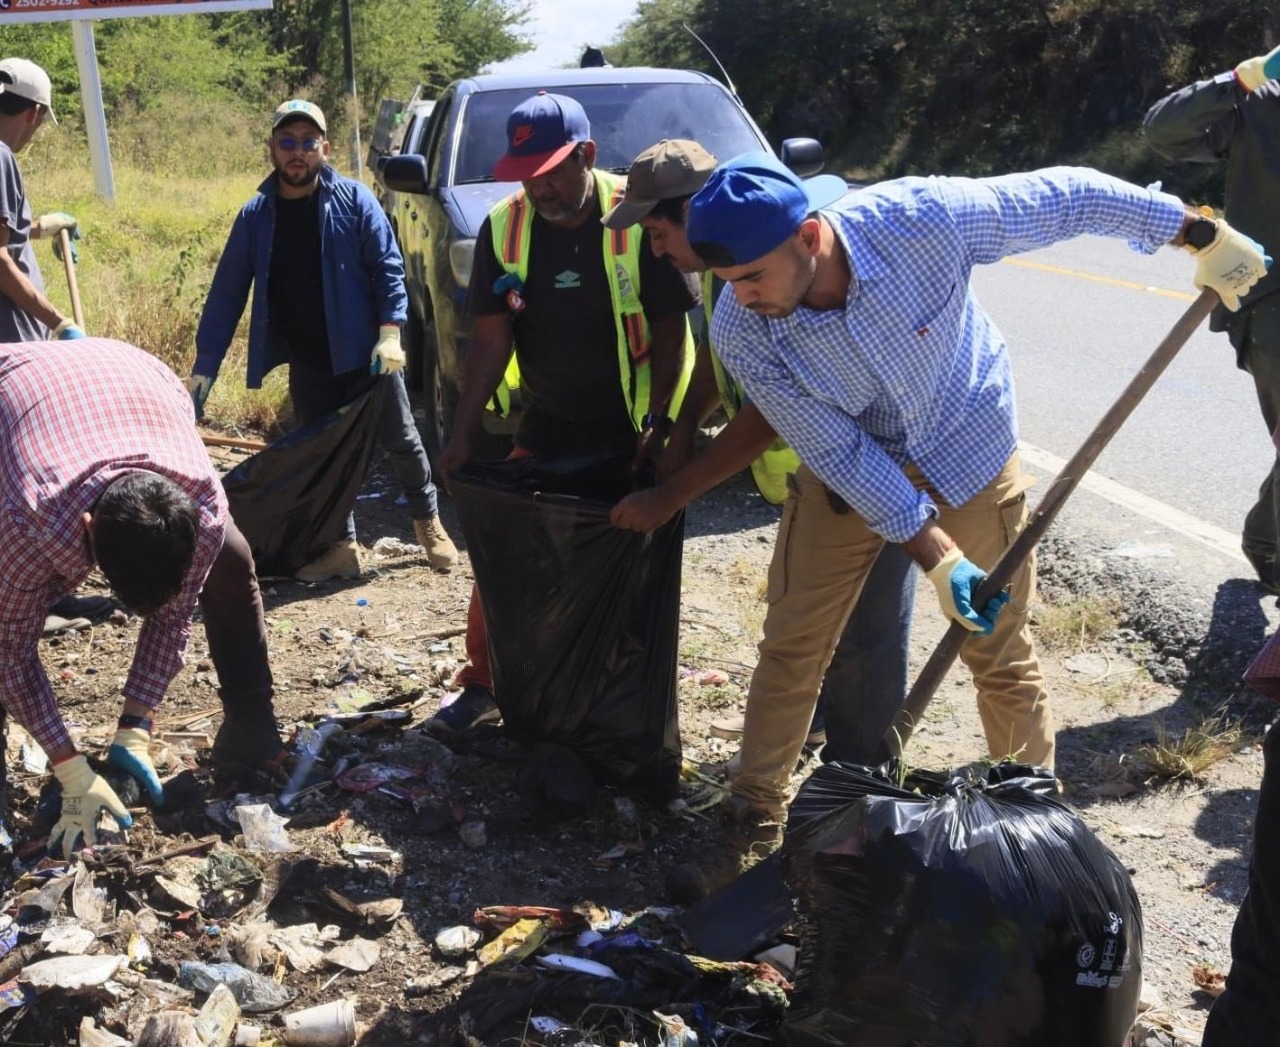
[(349, 61), (95, 116)]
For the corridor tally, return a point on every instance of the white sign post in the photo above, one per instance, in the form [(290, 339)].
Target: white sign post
[(83, 13)]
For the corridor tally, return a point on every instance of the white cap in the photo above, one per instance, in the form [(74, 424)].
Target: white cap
[(21, 77)]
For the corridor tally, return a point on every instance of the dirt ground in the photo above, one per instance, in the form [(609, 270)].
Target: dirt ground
[(396, 632)]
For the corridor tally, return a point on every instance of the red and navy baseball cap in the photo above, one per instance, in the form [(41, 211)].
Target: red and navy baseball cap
[(541, 131), (749, 205)]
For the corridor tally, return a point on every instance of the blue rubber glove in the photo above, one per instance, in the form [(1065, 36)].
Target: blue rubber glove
[(956, 580), (67, 330), (1254, 72), (85, 796), (130, 752), (199, 386)]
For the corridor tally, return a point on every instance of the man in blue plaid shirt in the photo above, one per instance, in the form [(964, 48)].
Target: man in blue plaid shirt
[(853, 328)]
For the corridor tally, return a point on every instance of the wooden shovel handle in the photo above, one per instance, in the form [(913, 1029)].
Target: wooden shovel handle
[(77, 311)]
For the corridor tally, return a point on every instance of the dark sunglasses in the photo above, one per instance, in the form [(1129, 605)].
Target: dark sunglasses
[(308, 145)]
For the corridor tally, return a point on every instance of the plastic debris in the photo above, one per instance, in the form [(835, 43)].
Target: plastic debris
[(782, 957), (500, 917), (326, 1025), (264, 830), (72, 972), (368, 776), (674, 1032), (89, 1035), (387, 547), (216, 1023), (453, 942), (359, 954), (520, 940), (560, 962), (309, 742), (252, 991), (68, 938), (705, 677)]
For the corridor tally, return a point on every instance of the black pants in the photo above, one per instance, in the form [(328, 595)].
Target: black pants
[(235, 627), (1248, 1012)]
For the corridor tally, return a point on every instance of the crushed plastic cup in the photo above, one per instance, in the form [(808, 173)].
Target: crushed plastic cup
[(326, 1025)]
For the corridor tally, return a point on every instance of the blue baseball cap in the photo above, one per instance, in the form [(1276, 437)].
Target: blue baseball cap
[(541, 131), (750, 204)]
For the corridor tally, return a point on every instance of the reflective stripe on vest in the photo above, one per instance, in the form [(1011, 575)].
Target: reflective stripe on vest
[(770, 470), (511, 222)]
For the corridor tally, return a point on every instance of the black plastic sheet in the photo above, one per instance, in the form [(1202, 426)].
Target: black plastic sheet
[(582, 617), (291, 500), (956, 911)]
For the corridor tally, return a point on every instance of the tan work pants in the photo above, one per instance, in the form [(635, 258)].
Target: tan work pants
[(820, 562)]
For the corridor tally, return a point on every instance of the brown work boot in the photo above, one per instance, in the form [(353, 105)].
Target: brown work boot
[(747, 835), (340, 560), (441, 552)]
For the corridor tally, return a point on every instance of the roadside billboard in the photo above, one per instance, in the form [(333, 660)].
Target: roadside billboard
[(13, 11)]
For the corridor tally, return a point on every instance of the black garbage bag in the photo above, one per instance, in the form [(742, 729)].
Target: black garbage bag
[(582, 617), (956, 911), (291, 500)]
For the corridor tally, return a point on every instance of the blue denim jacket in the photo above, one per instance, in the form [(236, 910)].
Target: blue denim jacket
[(362, 272)]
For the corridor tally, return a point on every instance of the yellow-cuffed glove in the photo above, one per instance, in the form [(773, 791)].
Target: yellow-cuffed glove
[(957, 579), (1230, 265), (54, 222), (388, 357), (1254, 72), (85, 796)]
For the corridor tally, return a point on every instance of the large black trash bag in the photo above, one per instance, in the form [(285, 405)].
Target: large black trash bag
[(291, 500), (583, 618), (959, 911)]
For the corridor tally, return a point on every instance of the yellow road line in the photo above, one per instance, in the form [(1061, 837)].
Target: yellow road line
[(1133, 285)]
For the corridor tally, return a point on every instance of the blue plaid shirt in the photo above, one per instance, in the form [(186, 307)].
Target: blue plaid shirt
[(912, 370)]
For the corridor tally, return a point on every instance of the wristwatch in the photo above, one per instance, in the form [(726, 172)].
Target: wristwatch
[(659, 423), (1200, 233)]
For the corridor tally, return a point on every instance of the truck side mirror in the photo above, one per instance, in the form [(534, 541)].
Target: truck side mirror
[(803, 156), (405, 174)]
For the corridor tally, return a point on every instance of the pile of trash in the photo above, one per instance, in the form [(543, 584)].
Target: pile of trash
[(590, 976)]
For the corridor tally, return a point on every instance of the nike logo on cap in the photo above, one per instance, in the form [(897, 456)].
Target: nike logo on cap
[(523, 133)]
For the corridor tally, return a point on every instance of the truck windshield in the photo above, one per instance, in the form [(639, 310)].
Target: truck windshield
[(625, 120)]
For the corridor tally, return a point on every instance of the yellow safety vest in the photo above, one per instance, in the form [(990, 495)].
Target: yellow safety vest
[(771, 469), (512, 225)]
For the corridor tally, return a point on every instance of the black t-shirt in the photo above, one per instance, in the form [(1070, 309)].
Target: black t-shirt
[(295, 287), (566, 337)]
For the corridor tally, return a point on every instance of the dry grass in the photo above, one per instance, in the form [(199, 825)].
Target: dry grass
[(1188, 756), (146, 260), (1075, 623)]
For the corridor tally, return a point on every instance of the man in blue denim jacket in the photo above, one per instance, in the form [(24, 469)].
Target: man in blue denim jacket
[(328, 300)]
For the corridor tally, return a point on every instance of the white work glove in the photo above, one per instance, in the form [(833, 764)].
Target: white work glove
[(1254, 72), (387, 357), (199, 386), (85, 796), (957, 580), (54, 222), (1230, 265)]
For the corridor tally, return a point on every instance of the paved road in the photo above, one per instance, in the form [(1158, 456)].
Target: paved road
[(1177, 480)]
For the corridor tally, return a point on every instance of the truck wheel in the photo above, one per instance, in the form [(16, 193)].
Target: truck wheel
[(440, 400)]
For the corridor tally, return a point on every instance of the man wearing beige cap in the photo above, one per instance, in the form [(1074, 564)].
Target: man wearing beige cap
[(859, 687), (26, 315), (328, 300)]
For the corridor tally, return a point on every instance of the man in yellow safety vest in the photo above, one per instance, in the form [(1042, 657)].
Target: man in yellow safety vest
[(596, 320)]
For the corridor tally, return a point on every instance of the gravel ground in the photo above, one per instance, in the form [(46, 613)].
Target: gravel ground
[(1167, 662)]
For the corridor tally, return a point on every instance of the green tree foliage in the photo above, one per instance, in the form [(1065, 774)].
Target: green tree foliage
[(961, 86), (195, 66)]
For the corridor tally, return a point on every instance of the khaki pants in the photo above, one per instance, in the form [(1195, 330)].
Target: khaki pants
[(819, 565)]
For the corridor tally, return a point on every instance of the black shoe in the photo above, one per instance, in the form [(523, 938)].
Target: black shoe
[(474, 706), (1268, 579), (248, 740), (95, 608)]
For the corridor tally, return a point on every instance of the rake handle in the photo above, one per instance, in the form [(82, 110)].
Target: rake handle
[(77, 311)]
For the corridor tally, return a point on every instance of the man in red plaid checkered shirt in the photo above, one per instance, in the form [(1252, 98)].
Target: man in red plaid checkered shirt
[(101, 465)]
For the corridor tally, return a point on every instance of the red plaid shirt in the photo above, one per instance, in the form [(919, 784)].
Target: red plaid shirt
[(74, 416)]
